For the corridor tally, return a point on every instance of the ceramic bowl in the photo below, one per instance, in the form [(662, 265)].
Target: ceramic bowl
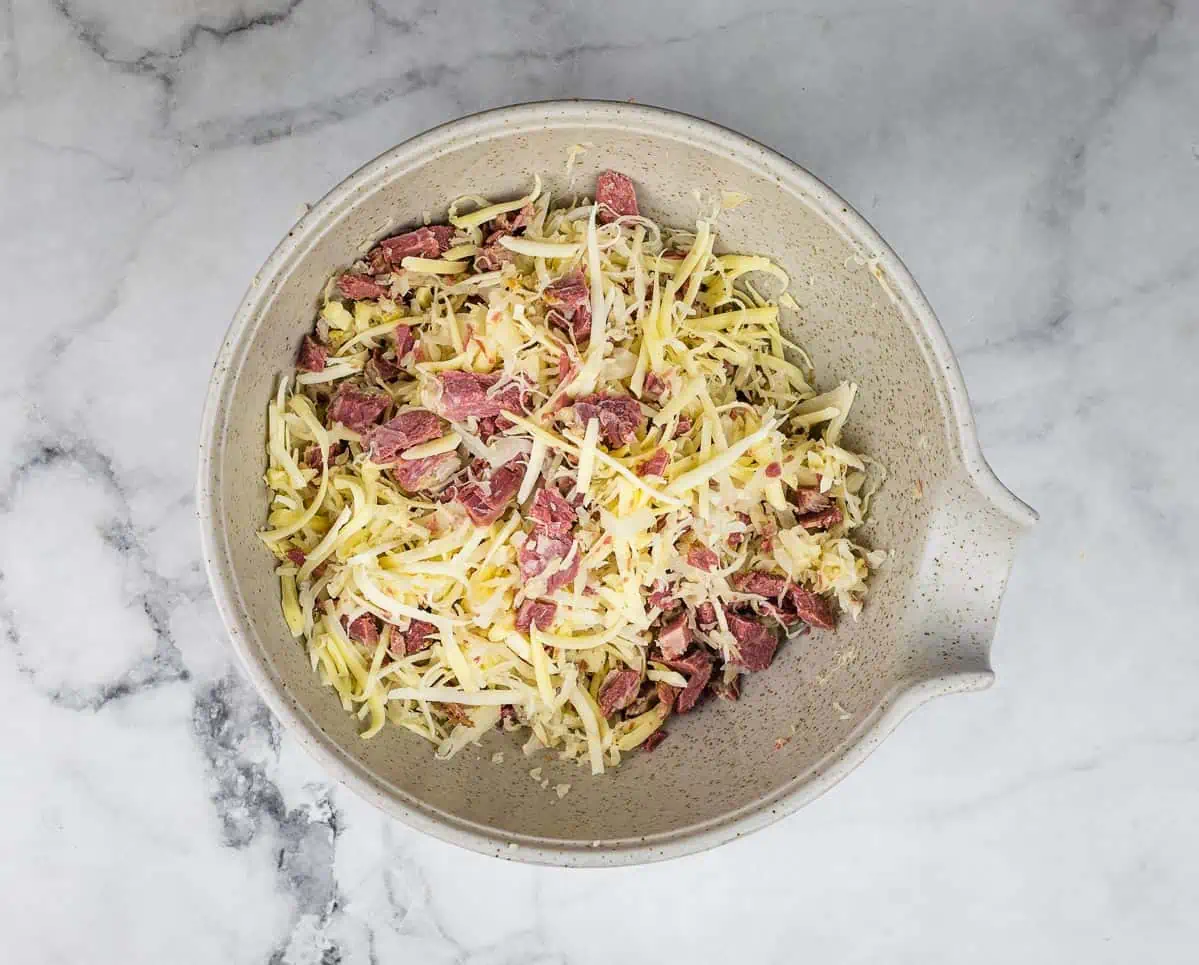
[(829, 698)]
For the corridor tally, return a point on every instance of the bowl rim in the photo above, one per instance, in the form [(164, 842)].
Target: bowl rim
[(900, 700)]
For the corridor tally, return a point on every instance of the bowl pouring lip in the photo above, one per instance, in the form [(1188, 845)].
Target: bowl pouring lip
[(903, 697)]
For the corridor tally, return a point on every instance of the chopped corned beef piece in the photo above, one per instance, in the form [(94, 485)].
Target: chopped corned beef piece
[(312, 355), (663, 597), (404, 339), (675, 637), (535, 613), (360, 286), (432, 472), (618, 690), (486, 499), (809, 499), (760, 583), (356, 409), (379, 368), (620, 416), (538, 550), (697, 668), (666, 694), (702, 558), (655, 386), (755, 643), (705, 616), (790, 601), (492, 257), (655, 465), (427, 242), (654, 739), (615, 195), (417, 636), (364, 630), (810, 607), (570, 301), (385, 443), (564, 575), (736, 539), (552, 514), (466, 394), (821, 520)]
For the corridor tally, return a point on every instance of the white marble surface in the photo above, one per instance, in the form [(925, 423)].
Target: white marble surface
[(1036, 164)]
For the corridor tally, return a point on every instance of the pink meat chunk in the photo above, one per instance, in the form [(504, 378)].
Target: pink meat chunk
[(615, 195), (577, 326), (492, 257), (789, 601), (379, 368), (654, 739), (569, 299), (666, 694), (655, 386), (486, 498), (563, 576), (568, 293), (466, 394), (774, 470), (432, 472), (312, 455), (809, 499), (684, 426), (416, 638), (296, 556), (312, 355), (702, 558), (552, 514), (675, 637), (705, 616), (364, 630), (821, 520), (535, 613), (811, 608), (760, 583), (697, 668), (427, 242), (404, 339), (360, 286), (736, 539), (662, 596), (655, 465), (535, 555), (620, 417), (356, 409), (385, 443), (618, 690), (755, 643), (511, 222)]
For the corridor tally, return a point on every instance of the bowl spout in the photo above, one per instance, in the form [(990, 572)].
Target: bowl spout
[(970, 549)]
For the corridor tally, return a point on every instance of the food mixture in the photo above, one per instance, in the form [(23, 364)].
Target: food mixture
[(549, 467)]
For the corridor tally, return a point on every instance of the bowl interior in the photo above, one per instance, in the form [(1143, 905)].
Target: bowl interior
[(823, 690)]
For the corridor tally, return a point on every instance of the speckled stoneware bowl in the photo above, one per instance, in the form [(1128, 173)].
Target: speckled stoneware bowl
[(831, 697)]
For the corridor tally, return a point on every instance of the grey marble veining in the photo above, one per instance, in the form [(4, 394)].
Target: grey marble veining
[(1037, 166)]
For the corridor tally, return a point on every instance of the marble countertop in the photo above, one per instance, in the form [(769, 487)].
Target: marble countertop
[(1036, 165)]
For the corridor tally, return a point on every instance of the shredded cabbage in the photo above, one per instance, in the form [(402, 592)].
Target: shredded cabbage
[(677, 326)]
